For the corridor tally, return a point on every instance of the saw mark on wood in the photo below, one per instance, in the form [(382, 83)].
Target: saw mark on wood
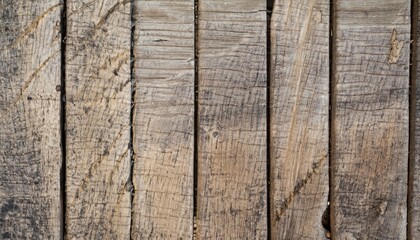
[(285, 204)]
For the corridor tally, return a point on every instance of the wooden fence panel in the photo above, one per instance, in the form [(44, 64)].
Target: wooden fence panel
[(370, 119), (30, 155), (98, 89), (299, 118), (232, 194), (163, 119)]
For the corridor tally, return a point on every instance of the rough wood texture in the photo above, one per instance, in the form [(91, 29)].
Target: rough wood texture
[(370, 124), (231, 195), (30, 155), (98, 88), (299, 118), (164, 119), (414, 184)]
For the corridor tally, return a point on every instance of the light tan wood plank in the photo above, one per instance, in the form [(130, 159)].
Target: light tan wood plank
[(98, 89), (164, 119), (370, 121), (299, 118), (232, 143), (30, 152)]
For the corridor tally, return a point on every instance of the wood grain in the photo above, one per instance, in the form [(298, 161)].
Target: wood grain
[(164, 119), (232, 194), (299, 118), (370, 121), (98, 89), (30, 155)]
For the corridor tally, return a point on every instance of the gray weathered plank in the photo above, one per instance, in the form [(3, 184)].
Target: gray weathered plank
[(98, 89), (231, 194), (164, 119), (30, 153), (370, 119), (299, 118), (414, 184)]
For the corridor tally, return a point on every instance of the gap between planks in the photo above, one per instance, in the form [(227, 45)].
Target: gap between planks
[(269, 9), (412, 117), (63, 119), (132, 107), (196, 123), (331, 115)]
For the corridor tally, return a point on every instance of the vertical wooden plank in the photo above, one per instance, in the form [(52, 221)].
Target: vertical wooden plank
[(299, 118), (231, 201), (30, 155), (98, 89), (370, 121), (414, 184), (163, 119)]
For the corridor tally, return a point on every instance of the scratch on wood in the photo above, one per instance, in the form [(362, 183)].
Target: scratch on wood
[(29, 81), (31, 27), (285, 204), (396, 47), (110, 11)]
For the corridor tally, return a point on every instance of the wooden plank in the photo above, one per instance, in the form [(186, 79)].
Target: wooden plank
[(414, 178), (98, 89), (30, 155), (231, 194), (370, 120), (164, 119), (299, 118)]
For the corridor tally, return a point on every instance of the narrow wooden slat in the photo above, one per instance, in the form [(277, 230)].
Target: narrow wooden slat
[(98, 89), (299, 118), (231, 194), (30, 152), (164, 119), (370, 121)]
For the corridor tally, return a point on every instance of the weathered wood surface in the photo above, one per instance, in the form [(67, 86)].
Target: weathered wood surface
[(98, 92), (299, 118), (163, 121), (414, 178), (30, 156), (231, 195), (370, 119)]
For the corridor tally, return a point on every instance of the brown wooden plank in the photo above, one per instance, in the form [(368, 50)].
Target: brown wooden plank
[(98, 89), (231, 195), (414, 178), (299, 118), (30, 152), (370, 119), (164, 119)]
